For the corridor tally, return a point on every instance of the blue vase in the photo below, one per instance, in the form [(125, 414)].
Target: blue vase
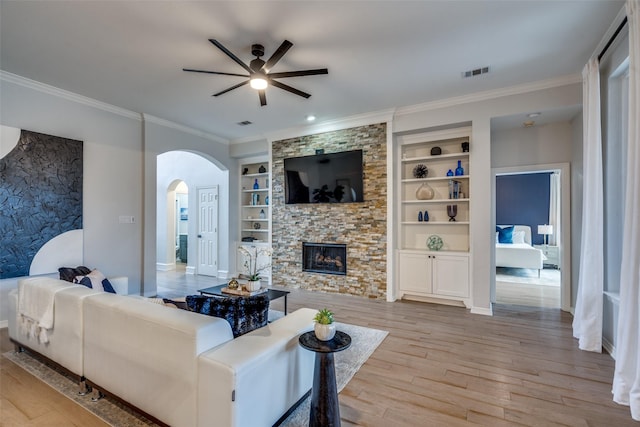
[(459, 170), (256, 185), (419, 216), (426, 216), (449, 172)]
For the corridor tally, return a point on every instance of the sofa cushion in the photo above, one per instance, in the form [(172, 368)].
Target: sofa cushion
[(68, 274), (244, 314), (95, 280)]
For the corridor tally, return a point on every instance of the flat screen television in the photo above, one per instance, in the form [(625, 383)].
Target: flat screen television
[(324, 178)]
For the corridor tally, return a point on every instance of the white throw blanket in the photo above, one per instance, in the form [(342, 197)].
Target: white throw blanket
[(35, 307)]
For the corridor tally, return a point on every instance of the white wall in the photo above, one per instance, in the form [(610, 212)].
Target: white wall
[(112, 161), (195, 171), (120, 149), (545, 144), (480, 113), (161, 137)]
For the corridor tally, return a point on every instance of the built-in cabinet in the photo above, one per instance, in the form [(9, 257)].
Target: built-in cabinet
[(254, 198), (434, 215), (255, 210)]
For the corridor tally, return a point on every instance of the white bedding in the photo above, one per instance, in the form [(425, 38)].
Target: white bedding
[(519, 255)]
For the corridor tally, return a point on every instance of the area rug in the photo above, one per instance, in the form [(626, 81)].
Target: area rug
[(548, 276), (364, 341)]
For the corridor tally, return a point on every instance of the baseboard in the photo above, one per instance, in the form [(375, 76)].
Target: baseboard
[(609, 347), (223, 274), (190, 270), (4, 324), (482, 310), (160, 266)]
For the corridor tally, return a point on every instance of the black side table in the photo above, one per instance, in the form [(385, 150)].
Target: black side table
[(325, 408)]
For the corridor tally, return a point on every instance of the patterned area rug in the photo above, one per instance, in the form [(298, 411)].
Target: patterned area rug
[(364, 341)]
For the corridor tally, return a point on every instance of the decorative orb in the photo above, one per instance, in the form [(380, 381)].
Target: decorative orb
[(420, 171), (434, 242)]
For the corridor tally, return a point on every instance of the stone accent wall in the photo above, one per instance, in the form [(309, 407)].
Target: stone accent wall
[(361, 226)]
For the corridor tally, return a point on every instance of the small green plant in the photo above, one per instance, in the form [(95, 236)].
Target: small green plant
[(324, 317)]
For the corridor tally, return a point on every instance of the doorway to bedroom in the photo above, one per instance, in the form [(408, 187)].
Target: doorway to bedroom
[(528, 237)]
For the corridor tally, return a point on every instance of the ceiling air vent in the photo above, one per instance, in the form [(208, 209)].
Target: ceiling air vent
[(475, 72), (244, 123)]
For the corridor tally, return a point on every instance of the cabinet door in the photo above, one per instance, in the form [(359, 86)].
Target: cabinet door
[(415, 273), (451, 275)]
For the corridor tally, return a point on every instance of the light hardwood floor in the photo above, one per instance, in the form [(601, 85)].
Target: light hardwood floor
[(439, 366)]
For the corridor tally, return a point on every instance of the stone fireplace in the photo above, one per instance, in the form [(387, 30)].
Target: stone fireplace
[(361, 226), (326, 258)]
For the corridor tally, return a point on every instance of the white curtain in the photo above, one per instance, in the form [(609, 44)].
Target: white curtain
[(587, 321), (626, 381), (554, 208)]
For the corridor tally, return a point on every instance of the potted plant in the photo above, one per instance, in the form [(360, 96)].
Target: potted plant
[(253, 270), (324, 328)]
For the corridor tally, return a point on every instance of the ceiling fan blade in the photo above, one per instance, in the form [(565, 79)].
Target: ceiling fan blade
[(263, 98), (289, 88), (279, 53), (231, 88), (230, 55), (299, 73), (214, 72)]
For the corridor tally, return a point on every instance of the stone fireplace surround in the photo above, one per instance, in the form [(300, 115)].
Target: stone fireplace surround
[(362, 227)]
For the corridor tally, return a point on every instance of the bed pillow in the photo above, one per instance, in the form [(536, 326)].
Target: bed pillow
[(95, 280), (518, 236), (505, 235)]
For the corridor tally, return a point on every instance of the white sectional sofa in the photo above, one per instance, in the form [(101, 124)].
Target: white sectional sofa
[(180, 367)]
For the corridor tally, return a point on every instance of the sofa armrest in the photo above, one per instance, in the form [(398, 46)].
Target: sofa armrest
[(254, 379)]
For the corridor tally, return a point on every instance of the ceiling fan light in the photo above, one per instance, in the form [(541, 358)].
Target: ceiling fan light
[(258, 83)]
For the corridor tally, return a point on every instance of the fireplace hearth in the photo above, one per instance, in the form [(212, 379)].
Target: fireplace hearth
[(326, 258)]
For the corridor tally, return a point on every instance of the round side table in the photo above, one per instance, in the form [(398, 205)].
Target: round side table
[(325, 408)]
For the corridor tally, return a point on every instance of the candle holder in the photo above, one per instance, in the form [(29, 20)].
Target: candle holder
[(452, 211)]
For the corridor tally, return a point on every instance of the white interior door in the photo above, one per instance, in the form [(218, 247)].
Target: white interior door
[(208, 231)]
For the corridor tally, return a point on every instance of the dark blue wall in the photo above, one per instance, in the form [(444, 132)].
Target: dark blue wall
[(523, 200)]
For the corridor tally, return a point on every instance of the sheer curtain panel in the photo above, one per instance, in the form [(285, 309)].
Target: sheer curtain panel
[(587, 321), (626, 381)]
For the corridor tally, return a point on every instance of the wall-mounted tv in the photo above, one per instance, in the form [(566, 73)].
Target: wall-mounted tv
[(324, 178)]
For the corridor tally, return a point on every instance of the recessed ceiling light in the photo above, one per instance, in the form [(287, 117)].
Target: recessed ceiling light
[(532, 115), (311, 118)]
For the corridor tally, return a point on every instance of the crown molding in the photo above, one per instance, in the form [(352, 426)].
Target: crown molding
[(384, 116), (169, 124), (491, 94), (69, 96)]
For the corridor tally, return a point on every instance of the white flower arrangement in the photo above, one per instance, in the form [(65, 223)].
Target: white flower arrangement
[(251, 266)]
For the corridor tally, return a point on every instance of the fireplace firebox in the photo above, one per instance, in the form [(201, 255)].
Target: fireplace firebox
[(327, 258)]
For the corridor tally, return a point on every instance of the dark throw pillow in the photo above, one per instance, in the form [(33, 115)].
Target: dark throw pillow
[(69, 274), (505, 235), (174, 303)]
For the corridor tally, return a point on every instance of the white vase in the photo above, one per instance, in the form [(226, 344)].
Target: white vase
[(324, 332), (253, 285)]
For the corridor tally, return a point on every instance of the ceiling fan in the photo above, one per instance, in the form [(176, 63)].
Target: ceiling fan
[(259, 76)]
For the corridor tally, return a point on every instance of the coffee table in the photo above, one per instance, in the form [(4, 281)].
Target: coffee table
[(271, 293), (325, 407)]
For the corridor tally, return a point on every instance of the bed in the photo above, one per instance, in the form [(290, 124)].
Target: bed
[(520, 253)]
